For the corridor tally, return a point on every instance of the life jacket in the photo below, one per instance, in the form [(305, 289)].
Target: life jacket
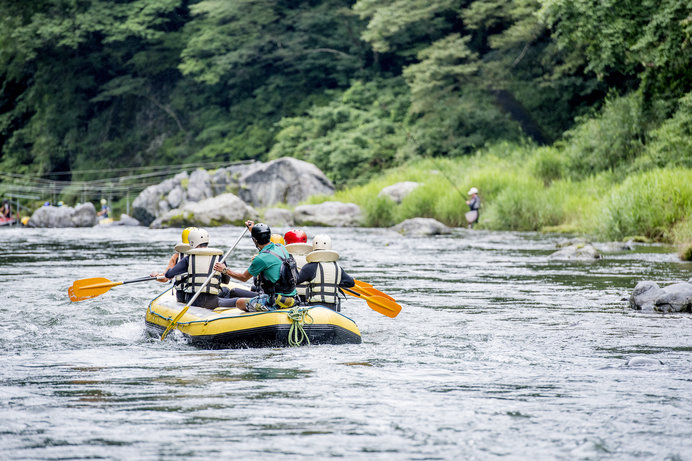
[(324, 288), (288, 274), (303, 287), (180, 281), (200, 264)]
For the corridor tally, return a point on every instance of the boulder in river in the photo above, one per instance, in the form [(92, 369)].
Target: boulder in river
[(649, 296), (82, 215), (214, 211), (398, 191), (579, 252), (644, 295), (421, 227), (278, 217), (285, 180), (335, 214)]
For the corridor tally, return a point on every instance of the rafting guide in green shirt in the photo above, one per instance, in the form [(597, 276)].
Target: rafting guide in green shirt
[(274, 268)]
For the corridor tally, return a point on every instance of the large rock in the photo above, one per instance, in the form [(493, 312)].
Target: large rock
[(228, 179), (398, 191), (577, 252), (421, 227), (644, 295), (278, 217), (83, 215), (335, 214), (285, 180), (153, 201), (215, 211), (199, 186), (649, 296), (674, 298)]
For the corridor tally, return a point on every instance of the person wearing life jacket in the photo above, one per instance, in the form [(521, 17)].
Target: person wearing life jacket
[(276, 292), (198, 263), (179, 280), (296, 244), (324, 275)]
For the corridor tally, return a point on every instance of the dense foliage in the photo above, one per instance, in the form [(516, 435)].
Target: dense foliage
[(354, 86), (580, 90)]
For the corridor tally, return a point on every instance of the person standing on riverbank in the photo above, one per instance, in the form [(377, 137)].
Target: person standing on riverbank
[(474, 204), (6, 209)]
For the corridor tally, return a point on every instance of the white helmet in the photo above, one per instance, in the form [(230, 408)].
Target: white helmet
[(196, 237), (322, 242), (473, 190)]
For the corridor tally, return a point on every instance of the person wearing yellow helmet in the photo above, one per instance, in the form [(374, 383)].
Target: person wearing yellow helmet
[(180, 280), (278, 239)]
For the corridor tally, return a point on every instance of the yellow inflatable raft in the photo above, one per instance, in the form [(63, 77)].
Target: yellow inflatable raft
[(232, 328)]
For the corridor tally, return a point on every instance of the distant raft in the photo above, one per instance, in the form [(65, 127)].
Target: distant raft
[(224, 328)]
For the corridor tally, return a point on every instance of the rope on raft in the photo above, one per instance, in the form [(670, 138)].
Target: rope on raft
[(299, 316)]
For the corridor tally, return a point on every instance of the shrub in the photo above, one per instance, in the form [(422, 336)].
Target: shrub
[(607, 141), (648, 204)]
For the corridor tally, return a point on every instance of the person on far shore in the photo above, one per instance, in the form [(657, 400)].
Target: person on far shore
[(6, 209), (105, 209), (474, 204)]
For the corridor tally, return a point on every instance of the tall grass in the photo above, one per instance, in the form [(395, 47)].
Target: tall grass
[(527, 189), (649, 204)]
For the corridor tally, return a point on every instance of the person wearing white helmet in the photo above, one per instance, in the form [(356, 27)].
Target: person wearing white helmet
[(179, 280), (323, 275), (474, 204), (196, 265)]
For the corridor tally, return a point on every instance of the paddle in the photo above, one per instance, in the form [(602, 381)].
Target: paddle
[(371, 290), (377, 303), (93, 287), (206, 282)]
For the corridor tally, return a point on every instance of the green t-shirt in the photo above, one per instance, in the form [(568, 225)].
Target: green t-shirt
[(269, 265)]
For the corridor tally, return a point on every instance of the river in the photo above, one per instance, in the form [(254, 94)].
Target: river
[(498, 352)]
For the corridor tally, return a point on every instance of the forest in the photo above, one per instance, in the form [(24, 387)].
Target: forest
[(569, 115)]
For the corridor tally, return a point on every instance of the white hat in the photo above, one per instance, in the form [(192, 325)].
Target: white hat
[(322, 256), (473, 190), (299, 248), (182, 247)]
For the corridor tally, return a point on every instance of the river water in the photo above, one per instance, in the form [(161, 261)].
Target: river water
[(498, 352)]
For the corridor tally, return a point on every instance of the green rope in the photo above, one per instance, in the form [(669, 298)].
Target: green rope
[(297, 334)]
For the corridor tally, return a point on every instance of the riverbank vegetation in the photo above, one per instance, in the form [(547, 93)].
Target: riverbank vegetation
[(570, 116)]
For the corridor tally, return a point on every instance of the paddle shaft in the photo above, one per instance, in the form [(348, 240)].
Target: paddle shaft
[(196, 295), (114, 284)]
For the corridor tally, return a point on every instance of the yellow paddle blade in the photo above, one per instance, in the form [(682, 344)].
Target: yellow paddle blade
[(371, 290), (377, 303), (174, 322), (90, 288), (383, 305)]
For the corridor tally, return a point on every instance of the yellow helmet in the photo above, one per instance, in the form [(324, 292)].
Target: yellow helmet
[(277, 238), (186, 233)]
